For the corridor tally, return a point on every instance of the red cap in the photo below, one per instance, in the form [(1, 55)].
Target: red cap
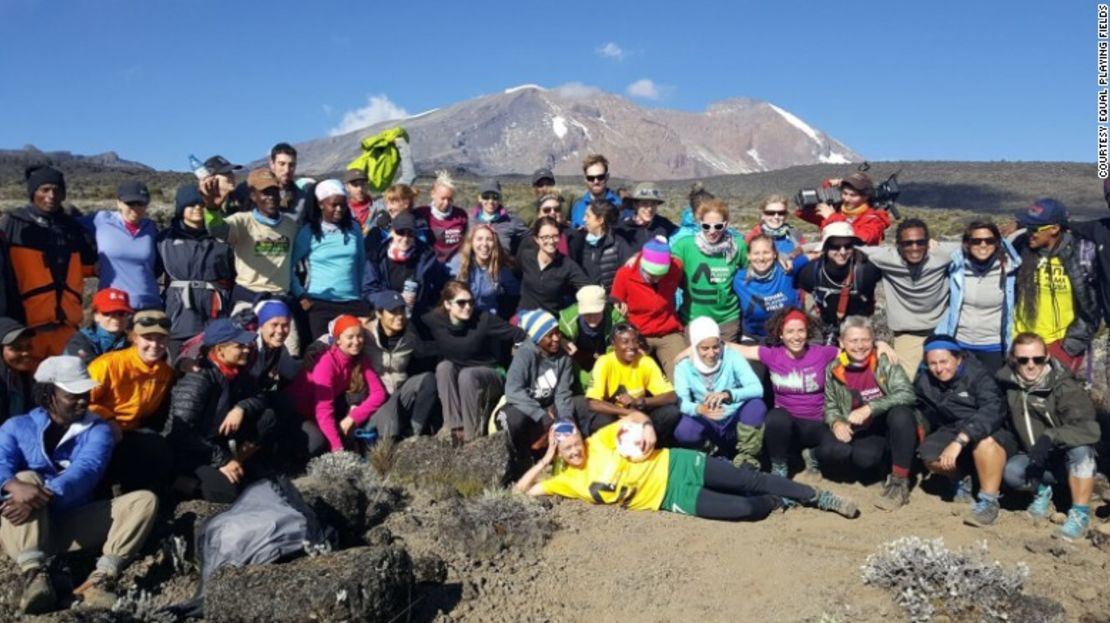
[(110, 300), (342, 323)]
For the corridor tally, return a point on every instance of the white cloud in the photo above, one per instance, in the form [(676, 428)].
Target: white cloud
[(647, 89), (577, 90), (378, 108), (613, 51)]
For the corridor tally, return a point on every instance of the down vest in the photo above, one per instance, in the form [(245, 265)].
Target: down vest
[(601, 261)]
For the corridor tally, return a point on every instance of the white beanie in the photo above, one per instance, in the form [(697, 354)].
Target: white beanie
[(700, 329), (329, 188)]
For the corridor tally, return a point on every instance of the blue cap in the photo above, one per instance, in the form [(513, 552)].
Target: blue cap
[(223, 330), (271, 308), (1043, 212), (386, 299)]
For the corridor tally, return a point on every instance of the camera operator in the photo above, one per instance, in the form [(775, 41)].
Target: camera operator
[(856, 191)]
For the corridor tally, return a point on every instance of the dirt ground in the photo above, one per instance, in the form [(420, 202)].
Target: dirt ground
[(607, 564)]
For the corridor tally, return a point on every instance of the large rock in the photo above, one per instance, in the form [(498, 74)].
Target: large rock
[(432, 463), (340, 504), (360, 584)]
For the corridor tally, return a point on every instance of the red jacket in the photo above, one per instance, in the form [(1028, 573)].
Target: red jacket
[(650, 307), (869, 225)]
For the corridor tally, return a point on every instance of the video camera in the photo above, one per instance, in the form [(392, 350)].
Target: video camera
[(883, 197)]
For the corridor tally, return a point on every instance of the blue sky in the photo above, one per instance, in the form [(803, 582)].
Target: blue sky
[(156, 80)]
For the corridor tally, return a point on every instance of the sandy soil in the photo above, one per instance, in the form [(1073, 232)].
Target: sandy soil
[(606, 564)]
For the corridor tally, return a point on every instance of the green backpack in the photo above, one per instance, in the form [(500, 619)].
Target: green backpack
[(380, 158)]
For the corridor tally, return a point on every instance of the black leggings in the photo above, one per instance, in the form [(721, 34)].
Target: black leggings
[(781, 431), (896, 430), (142, 459), (734, 494)]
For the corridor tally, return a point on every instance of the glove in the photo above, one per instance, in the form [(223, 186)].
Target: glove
[(1038, 459)]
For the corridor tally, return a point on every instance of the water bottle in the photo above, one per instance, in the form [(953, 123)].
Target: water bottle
[(410, 288), (198, 167)]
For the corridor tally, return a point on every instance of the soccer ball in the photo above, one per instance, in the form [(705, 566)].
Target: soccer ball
[(630, 439)]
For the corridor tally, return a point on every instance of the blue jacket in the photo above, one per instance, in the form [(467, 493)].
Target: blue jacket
[(578, 212), (76, 465), (759, 298), (127, 261), (956, 269), (735, 376), (422, 267), (335, 264)]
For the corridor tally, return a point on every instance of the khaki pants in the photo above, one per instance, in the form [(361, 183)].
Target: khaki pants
[(908, 348), (665, 348), (119, 525)]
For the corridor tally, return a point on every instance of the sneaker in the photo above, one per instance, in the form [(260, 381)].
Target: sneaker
[(1041, 506), (1075, 526), (38, 594), (812, 465), (962, 491), (829, 501), (98, 591), (896, 493), (780, 469), (983, 513)]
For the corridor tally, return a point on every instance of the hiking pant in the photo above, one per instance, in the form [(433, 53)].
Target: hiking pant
[(526, 434), (1078, 462), (908, 346), (665, 348), (409, 410), (297, 324), (663, 419), (467, 396), (694, 431), (120, 526), (142, 459), (991, 360), (323, 312), (782, 431), (896, 432), (735, 494)]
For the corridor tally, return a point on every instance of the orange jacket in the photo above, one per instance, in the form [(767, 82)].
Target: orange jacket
[(130, 391)]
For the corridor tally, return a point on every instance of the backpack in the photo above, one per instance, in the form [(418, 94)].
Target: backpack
[(380, 158), (269, 521)]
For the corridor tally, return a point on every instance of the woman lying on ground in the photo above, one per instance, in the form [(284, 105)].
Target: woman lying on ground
[(621, 465)]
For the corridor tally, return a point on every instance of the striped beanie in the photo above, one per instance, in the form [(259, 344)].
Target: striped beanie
[(537, 323), (655, 259)]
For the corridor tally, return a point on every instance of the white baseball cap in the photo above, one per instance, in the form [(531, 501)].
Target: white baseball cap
[(66, 372)]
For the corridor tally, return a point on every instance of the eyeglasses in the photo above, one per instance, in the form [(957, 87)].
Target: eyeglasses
[(844, 246), (1040, 361), (990, 241), (917, 242), (597, 178), (547, 238), (781, 213), (153, 322), (463, 302), (490, 196), (713, 226)]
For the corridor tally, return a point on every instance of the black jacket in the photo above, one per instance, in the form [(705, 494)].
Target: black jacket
[(1081, 274), (815, 279), (637, 235), (600, 262), (972, 401), (552, 288), (199, 402), (199, 270), (1098, 232), (422, 267), (479, 342)]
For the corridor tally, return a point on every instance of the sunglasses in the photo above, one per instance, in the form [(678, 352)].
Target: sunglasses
[(154, 322), (463, 302), (404, 233), (844, 246), (1040, 361), (775, 213), (918, 242), (136, 205), (490, 196), (597, 178), (713, 226), (982, 242), (549, 210)]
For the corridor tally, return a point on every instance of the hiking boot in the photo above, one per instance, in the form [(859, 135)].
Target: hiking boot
[(1075, 526), (962, 491), (896, 493), (749, 444), (1041, 506), (983, 513), (829, 501), (780, 469), (98, 591), (38, 594), (813, 467)]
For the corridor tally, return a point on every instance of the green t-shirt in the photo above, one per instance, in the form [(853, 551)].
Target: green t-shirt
[(708, 289)]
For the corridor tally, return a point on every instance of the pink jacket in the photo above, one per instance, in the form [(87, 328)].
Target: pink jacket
[(314, 393)]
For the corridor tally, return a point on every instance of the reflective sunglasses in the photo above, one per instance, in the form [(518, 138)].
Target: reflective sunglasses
[(713, 226), (1040, 360)]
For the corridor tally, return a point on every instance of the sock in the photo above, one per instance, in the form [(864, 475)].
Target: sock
[(988, 497), (900, 472), (1084, 509)]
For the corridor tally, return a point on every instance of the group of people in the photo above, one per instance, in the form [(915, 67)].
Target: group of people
[(659, 366)]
